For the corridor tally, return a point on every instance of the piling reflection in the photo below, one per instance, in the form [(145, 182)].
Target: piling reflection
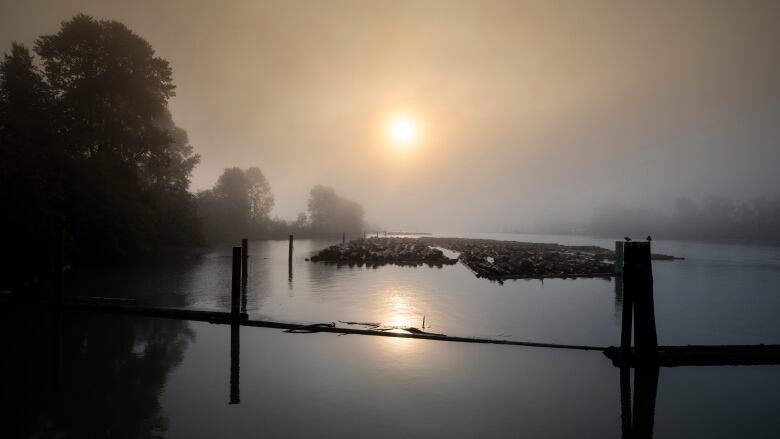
[(637, 421), (235, 363), (56, 337)]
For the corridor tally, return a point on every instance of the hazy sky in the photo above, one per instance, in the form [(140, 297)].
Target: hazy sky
[(525, 109)]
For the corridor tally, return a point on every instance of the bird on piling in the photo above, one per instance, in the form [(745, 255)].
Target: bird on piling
[(627, 238), (649, 238)]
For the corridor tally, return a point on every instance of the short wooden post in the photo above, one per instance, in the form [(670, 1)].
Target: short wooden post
[(618, 258), (235, 297), (244, 272), (638, 284), (244, 261), (290, 256)]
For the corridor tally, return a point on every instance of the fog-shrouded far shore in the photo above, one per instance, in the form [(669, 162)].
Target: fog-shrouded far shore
[(714, 218)]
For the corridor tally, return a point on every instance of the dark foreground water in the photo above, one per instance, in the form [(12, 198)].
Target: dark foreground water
[(86, 375)]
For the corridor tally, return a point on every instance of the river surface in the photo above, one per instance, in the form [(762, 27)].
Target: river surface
[(89, 375)]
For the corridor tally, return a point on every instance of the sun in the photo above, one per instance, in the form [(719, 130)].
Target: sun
[(402, 131)]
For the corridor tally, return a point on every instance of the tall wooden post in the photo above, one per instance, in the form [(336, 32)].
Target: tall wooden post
[(290, 257), (244, 272), (235, 292), (638, 288), (343, 237)]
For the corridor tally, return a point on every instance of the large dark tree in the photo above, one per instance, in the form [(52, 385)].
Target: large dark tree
[(110, 88), (31, 168), (88, 143)]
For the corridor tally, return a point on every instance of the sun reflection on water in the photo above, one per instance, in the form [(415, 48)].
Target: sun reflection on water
[(400, 309)]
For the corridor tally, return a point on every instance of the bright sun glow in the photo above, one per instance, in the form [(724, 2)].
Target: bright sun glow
[(402, 131)]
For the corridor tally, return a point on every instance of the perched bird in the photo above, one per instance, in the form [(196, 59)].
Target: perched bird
[(649, 238), (627, 238)]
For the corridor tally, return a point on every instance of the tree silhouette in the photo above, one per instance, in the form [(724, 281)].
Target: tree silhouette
[(237, 206), (88, 143), (331, 213)]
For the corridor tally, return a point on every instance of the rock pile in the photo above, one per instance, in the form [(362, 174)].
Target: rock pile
[(487, 258), (380, 251), (513, 260)]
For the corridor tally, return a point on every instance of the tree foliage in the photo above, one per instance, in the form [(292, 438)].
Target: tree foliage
[(332, 213), (237, 206), (88, 143)]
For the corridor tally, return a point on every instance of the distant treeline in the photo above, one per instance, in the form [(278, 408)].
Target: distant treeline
[(714, 218), (87, 145), (239, 205)]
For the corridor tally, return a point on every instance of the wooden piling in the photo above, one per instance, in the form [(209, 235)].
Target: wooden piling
[(638, 287), (290, 257), (235, 296), (618, 258), (244, 261), (244, 272), (343, 237)]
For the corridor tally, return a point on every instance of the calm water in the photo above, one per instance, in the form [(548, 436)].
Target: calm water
[(112, 376)]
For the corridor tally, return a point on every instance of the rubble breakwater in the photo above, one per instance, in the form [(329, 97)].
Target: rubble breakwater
[(491, 259), (517, 260), (381, 251)]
